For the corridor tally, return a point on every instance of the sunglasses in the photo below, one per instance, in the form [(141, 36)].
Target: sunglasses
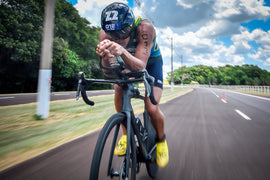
[(120, 34)]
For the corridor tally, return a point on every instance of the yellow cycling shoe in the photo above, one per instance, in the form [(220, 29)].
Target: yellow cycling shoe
[(162, 154), (121, 147)]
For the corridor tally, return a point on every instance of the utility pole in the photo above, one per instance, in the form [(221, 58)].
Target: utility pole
[(181, 70), (45, 72), (172, 81)]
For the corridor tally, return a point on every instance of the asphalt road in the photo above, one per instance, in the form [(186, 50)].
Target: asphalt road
[(14, 99), (212, 135)]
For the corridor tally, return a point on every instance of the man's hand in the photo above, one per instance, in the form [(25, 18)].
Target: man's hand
[(109, 48)]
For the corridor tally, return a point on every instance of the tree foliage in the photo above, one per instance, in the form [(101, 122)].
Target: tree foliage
[(20, 40), (226, 75), (21, 27)]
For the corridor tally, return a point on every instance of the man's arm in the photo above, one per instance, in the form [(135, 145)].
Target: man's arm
[(145, 35), (106, 56)]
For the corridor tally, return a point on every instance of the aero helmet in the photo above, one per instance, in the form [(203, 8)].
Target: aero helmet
[(117, 20)]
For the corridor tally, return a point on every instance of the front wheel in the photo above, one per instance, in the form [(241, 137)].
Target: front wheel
[(105, 164)]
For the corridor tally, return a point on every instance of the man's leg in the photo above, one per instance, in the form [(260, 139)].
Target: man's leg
[(118, 98), (120, 148), (118, 91), (157, 119)]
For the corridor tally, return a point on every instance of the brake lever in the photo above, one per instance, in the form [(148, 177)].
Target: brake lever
[(81, 89)]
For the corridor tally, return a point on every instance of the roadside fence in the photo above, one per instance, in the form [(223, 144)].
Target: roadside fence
[(261, 90)]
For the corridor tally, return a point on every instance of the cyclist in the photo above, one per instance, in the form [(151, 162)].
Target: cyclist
[(135, 41)]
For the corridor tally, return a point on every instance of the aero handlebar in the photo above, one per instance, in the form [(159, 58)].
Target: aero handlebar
[(81, 88), (125, 78)]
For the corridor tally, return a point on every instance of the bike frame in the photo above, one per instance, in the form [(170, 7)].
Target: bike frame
[(131, 122), (129, 92), (130, 117)]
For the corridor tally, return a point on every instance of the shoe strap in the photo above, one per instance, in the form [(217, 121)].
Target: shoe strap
[(161, 139)]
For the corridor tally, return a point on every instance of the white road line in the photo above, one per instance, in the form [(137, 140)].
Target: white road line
[(7, 97), (242, 114), (62, 94), (223, 100), (215, 93)]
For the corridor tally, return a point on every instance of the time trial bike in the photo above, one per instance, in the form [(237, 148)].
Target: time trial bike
[(141, 136)]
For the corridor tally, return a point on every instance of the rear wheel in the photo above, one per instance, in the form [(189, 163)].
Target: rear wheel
[(151, 165), (105, 164)]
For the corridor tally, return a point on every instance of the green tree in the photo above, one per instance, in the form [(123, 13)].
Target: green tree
[(226, 75), (21, 26), (81, 39), (65, 66), (20, 41)]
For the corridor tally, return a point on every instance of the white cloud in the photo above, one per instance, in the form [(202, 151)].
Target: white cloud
[(217, 28), (241, 10), (190, 3), (209, 19), (174, 14), (263, 53), (137, 11), (91, 9), (258, 35), (196, 28), (267, 62), (261, 38)]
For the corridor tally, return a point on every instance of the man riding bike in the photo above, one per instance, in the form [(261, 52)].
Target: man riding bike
[(135, 41)]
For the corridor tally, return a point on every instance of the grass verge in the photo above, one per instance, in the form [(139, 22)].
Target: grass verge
[(23, 136)]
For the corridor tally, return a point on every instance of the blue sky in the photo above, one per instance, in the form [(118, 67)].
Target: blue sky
[(208, 32)]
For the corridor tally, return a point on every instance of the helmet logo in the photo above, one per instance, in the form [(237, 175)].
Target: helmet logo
[(111, 16), (112, 27)]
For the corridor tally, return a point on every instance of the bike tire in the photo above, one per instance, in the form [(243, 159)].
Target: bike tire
[(112, 124), (151, 166)]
